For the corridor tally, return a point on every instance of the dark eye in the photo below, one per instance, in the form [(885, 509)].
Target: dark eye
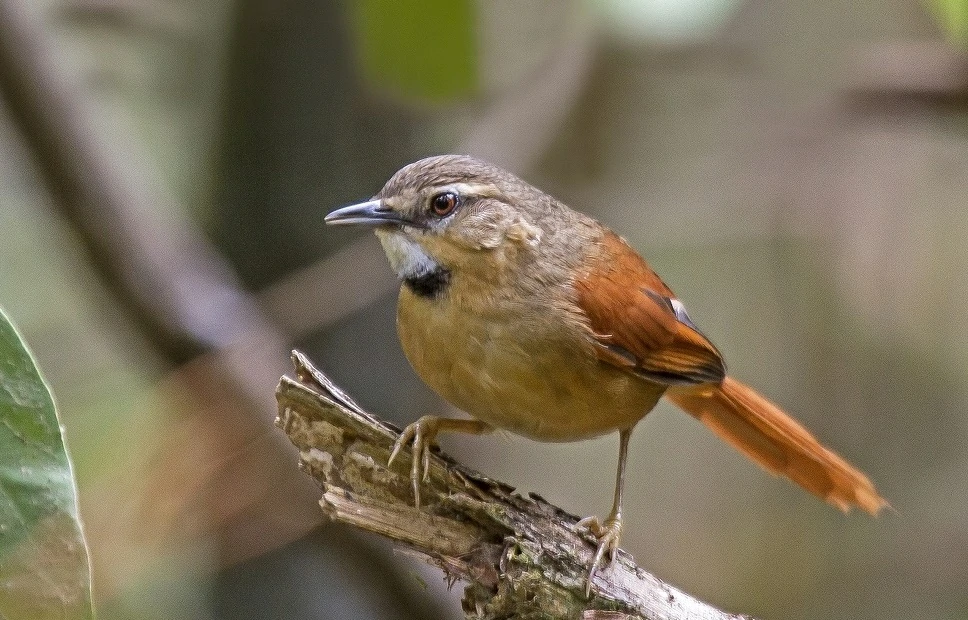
[(444, 203)]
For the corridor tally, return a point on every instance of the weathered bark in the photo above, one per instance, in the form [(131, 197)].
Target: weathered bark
[(520, 557)]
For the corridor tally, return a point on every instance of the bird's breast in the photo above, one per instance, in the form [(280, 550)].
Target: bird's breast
[(517, 364)]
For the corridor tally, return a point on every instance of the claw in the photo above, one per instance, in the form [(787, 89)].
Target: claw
[(608, 535), (422, 434), (402, 440), (426, 464)]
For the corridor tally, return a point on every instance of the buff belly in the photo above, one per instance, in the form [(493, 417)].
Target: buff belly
[(502, 368)]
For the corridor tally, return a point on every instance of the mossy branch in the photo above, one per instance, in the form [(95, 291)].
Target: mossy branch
[(519, 556)]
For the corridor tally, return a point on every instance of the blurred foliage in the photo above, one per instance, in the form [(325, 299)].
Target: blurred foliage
[(44, 571), (818, 247), (418, 49), (952, 15)]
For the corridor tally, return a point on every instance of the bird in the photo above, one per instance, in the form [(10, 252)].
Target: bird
[(535, 318)]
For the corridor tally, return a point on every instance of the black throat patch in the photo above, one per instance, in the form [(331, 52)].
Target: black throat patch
[(430, 285)]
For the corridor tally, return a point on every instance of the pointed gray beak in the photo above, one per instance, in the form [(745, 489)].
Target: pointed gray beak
[(372, 213)]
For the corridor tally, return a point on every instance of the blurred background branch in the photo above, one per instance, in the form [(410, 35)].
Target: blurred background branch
[(175, 286), (149, 263)]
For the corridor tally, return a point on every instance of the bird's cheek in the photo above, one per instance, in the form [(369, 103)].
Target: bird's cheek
[(493, 233), (445, 248)]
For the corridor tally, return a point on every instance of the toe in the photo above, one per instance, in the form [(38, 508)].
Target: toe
[(405, 437), (592, 525), (608, 536)]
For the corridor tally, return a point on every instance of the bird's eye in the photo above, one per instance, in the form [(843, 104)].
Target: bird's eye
[(444, 203)]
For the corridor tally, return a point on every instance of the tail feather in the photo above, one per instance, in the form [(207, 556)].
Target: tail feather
[(778, 443)]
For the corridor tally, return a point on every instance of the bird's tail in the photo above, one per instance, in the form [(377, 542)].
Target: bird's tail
[(760, 430)]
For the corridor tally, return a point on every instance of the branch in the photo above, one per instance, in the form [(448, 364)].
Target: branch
[(519, 556)]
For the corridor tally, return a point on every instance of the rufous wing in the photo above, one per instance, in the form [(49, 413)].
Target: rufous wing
[(638, 325), (636, 322)]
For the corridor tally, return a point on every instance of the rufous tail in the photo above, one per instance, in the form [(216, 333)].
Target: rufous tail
[(763, 432)]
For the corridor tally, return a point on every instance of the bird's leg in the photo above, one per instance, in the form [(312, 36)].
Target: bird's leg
[(422, 434), (608, 534)]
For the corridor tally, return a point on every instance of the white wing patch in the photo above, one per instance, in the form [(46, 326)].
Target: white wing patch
[(681, 313)]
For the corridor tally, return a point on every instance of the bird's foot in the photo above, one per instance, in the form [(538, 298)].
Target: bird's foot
[(422, 434), (608, 535)]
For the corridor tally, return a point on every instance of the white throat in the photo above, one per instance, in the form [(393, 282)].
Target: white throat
[(406, 256)]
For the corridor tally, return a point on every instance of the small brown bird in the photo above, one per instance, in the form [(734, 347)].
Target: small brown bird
[(537, 319)]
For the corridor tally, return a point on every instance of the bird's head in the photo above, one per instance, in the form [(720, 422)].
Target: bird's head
[(452, 213)]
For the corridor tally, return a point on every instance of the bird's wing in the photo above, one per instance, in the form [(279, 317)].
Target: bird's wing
[(637, 323)]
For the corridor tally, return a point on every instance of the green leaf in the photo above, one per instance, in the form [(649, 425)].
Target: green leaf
[(44, 567), (418, 49)]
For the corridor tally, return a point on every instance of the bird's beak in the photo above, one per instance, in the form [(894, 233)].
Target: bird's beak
[(373, 213)]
